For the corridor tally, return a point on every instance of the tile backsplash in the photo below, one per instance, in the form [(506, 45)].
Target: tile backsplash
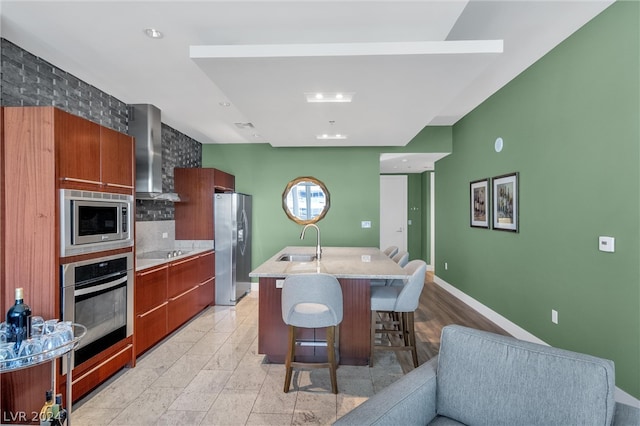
[(150, 237)]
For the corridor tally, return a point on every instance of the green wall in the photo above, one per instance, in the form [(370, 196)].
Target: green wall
[(571, 128), (350, 174)]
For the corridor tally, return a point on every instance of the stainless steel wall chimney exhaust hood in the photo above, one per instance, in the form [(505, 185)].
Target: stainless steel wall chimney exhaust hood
[(146, 126)]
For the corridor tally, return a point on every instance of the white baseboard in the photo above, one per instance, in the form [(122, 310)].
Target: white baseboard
[(515, 330)]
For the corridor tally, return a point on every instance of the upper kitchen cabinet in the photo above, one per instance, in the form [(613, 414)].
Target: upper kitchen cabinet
[(224, 182), (117, 156), (196, 187), (91, 156)]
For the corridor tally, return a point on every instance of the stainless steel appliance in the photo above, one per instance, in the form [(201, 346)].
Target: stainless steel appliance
[(233, 246), (98, 293), (94, 221)]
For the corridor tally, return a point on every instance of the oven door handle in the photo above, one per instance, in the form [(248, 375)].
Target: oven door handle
[(100, 287)]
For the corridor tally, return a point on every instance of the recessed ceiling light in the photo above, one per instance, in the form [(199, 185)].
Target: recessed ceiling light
[(329, 96), (327, 136), (153, 33)]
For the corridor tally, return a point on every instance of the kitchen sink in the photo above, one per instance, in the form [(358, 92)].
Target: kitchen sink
[(162, 254), (297, 258)]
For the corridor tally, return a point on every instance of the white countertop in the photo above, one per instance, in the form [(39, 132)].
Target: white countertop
[(342, 262), (149, 263)]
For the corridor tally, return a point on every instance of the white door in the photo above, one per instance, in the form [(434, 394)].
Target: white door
[(393, 211)]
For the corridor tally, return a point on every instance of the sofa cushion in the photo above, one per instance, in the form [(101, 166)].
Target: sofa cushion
[(484, 378)]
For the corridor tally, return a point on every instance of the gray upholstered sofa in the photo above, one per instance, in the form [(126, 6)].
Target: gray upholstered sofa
[(487, 379)]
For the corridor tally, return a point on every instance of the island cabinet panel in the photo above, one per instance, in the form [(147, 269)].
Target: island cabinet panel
[(196, 187), (353, 334)]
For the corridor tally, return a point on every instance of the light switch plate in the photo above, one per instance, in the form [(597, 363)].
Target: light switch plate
[(365, 224), (607, 244)]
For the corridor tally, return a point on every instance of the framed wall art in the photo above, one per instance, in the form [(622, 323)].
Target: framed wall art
[(505, 202), (479, 203)]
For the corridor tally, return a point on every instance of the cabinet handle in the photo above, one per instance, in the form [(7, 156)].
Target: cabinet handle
[(117, 185), (153, 310), (182, 294), (180, 262), (68, 179), (151, 271), (206, 282)]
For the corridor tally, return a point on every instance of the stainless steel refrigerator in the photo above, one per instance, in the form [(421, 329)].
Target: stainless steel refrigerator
[(233, 246)]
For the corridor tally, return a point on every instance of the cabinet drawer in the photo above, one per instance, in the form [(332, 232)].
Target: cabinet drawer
[(182, 308), (183, 275), (206, 267), (151, 327), (206, 294), (150, 289)]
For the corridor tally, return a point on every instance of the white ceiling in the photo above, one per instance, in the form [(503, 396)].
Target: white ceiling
[(208, 56)]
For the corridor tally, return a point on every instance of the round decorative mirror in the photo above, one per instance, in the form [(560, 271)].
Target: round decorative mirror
[(305, 200)]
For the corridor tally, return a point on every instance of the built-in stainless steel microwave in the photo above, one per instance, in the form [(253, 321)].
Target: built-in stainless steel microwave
[(94, 221)]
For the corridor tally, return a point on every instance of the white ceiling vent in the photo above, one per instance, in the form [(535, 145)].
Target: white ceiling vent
[(244, 125)]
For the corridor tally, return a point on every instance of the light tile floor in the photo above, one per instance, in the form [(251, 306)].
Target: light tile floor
[(209, 372)]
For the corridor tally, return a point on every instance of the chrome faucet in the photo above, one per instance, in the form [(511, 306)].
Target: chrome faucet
[(318, 248)]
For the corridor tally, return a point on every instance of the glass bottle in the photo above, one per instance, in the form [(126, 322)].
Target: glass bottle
[(19, 320)]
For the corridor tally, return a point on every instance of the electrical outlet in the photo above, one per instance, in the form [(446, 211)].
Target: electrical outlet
[(279, 283), (446, 266), (554, 316), (165, 235), (365, 224)]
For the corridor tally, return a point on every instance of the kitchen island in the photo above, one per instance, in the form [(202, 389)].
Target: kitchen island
[(354, 267)]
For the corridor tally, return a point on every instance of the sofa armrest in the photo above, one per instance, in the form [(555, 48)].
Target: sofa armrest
[(626, 415), (411, 400)]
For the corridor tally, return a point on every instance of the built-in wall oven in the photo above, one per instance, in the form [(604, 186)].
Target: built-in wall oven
[(92, 222), (98, 293)]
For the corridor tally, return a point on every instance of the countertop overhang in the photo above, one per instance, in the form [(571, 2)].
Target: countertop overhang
[(342, 262)]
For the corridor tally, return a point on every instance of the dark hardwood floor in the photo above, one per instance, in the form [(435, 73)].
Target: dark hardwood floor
[(437, 309)]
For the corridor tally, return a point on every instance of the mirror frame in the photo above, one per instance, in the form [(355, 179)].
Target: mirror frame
[(293, 183)]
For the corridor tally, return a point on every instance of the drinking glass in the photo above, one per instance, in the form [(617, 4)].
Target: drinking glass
[(30, 350), (6, 354), (51, 342), (50, 326), (65, 328), (4, 333), (37, 326)]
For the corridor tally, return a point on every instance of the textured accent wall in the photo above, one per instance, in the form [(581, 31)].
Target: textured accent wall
[(178, 150), (27, 80)]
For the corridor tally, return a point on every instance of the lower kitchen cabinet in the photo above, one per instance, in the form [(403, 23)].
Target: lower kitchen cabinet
[(182, 308), (152, 327), (168, 295), (206, 293), (150, 307)]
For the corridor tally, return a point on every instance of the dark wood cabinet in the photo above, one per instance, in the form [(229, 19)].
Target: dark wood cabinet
[(91, 156), (194, 214), (169, 295), (206, 278), (117, 158), (182, 307), (150, 307), (45, 149), (224, 182), (78, 149), (183, 275)]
